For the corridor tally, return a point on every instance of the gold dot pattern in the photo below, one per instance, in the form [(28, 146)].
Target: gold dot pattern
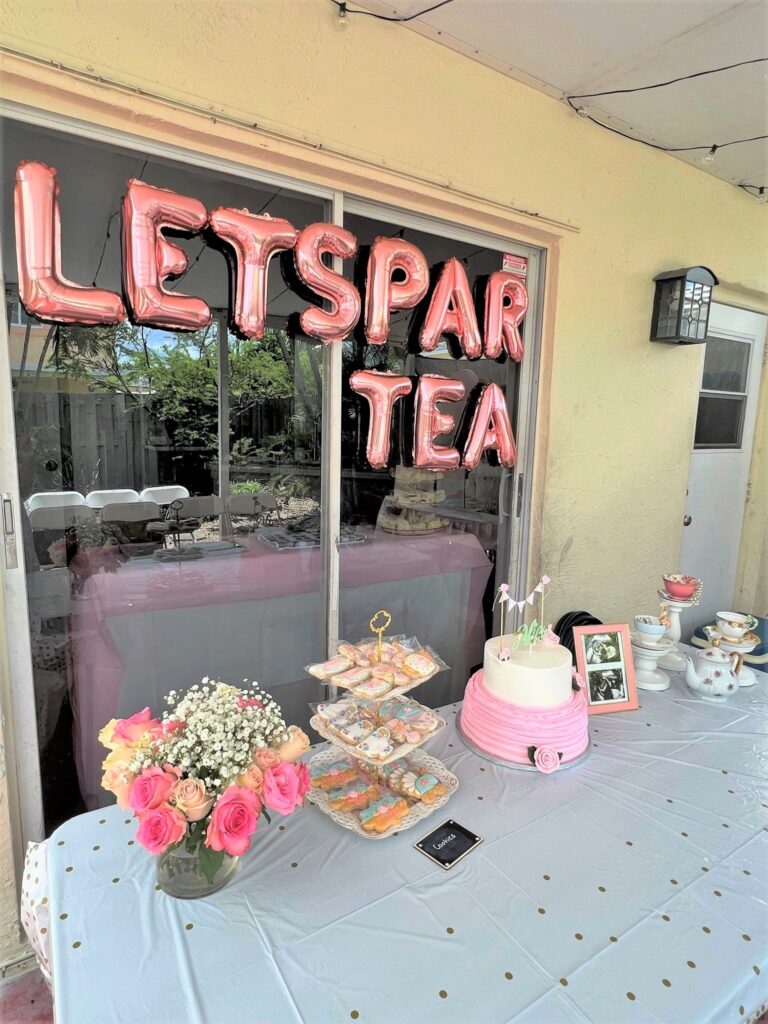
[(189, 927), (631, 996), (76, 945), (508, 975), (613, 938), (449, 930), (542, 910), (564, 982), (354, 1014), (601, 888), (443, 994), (691, 964), (666, 982), (578, 935), (747, 938), (706, 930), (755, 968)]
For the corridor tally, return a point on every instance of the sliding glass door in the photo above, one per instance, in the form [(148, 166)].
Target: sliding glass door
[(195, 503)]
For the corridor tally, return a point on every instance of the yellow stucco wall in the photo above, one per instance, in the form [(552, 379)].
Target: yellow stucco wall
[(620, 413)]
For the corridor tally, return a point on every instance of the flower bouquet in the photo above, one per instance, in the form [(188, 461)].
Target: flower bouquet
[(199, 779)]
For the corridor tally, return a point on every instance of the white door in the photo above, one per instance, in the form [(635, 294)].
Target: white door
[(732, 363)]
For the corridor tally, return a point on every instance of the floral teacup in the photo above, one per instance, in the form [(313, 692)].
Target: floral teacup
[(734, 625)]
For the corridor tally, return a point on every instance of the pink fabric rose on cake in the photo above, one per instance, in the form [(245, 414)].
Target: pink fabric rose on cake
[(160, 828), (234, 819), (285, 786), (546, 759), (191, 799), (153, 787)]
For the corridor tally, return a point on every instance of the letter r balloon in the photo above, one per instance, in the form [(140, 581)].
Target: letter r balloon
[(502, 321)]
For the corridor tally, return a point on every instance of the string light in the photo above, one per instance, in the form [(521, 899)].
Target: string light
[(344, 12), (711, 150)]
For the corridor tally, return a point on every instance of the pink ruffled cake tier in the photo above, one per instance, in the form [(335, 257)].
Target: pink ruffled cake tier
[(507, 731)]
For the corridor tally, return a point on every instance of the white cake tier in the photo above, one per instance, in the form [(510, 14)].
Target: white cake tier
[(536, 676)]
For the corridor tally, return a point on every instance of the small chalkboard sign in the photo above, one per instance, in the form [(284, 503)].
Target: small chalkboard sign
[(447, 844)]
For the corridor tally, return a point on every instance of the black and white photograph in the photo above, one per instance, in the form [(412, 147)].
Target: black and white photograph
[(603, 648), (606, 685)]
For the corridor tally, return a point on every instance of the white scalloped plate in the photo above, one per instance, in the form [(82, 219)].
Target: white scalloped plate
[(419, 810), (319, 725)]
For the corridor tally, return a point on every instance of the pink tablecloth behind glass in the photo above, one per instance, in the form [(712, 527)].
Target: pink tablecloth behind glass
[(257, 613)]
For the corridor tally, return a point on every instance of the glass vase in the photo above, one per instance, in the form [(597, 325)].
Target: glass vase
[(180, 873)]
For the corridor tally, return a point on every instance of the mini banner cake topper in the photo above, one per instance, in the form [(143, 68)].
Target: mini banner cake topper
[(397, 278), (526, 634)]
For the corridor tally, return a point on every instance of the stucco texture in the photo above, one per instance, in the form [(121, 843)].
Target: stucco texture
[(620, 412)]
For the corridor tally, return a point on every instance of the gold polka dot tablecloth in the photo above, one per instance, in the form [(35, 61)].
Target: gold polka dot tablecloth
[(629, 888)]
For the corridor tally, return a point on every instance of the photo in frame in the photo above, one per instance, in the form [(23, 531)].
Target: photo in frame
[(604, 662)]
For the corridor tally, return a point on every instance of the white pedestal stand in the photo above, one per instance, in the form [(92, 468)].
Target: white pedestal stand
[(647, 674), (674, 661)]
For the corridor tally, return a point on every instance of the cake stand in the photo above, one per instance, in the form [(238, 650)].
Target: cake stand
[(673, 661), (646, 657), (514, 764), (746, 675)]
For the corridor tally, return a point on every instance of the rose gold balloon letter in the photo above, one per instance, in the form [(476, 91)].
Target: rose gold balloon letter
[(490, 429), (451, 311), (382, 391), (502, 321), (43, 289), (382, 294), (431, 423), (313, 241)]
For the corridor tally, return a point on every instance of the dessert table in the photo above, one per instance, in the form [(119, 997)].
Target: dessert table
[(628, 888)]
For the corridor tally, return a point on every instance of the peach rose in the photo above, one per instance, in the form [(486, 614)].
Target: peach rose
[(117, 778), (234, 819), (296, 745), (266, 758), (191, 799), (160, 828), (252, 778)]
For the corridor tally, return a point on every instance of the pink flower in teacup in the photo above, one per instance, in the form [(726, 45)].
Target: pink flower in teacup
[(160, 827), (546, 759)]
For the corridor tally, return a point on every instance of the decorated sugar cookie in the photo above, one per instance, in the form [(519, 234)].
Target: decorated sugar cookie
[(384, 813)]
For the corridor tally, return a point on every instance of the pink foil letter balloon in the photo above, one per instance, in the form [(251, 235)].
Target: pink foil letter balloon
[(43, 290), (149, 258), (431, 423), (502, 322), (313, 241), (490, 429), (382, 391), (382, 294), (255, 239), (451, 311)]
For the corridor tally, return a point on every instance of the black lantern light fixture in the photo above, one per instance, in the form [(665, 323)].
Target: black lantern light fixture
[(681, 305)]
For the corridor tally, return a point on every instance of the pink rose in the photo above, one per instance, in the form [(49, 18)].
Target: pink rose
[(160, 828), (546, 759), (172, 725), (252, 778), (129, 730), (266, 758), (234, 819), (249, 702), (283, 784), (152, 787), (191, 799)]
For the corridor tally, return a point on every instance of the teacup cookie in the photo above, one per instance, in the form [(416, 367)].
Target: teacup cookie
[(377, 746)]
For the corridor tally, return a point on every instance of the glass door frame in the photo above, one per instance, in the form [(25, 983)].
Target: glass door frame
[(23, 767)]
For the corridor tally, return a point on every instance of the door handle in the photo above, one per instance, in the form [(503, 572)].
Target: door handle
[(687, 520), (9, 533)]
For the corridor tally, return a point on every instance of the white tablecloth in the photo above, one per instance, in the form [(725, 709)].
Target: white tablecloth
[(629, 888)]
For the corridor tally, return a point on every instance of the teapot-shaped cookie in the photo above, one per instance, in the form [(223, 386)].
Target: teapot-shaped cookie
[(715, 675)]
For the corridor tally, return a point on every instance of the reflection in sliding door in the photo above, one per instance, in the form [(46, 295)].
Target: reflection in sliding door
[(171, 482)]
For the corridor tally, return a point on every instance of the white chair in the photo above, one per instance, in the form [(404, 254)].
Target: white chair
[(164, 495), (53, 499), (60, 518), (98, 499), (130, 512)]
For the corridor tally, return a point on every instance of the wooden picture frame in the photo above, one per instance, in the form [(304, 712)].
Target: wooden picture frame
[(604, 662)]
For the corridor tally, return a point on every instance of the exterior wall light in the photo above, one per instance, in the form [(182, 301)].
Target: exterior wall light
[(681, 305)]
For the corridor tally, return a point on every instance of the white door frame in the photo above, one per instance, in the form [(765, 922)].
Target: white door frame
[(19, 699)]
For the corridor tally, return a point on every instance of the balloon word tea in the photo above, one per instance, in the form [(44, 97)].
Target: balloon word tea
[(397, 276)]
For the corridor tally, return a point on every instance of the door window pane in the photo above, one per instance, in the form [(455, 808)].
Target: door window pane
[(164, 541), (719, 422), (726, 362), (421, 544)]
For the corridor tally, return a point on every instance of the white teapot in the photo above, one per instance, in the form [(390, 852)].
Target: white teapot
[(715, 675)]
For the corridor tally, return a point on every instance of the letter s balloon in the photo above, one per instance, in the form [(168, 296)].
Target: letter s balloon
[(314, 240), (43, 289), (382, 294), (382, 389)]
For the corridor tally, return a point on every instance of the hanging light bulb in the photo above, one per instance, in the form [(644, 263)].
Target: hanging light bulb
[(582, 111), (709, 158), (342, 20)]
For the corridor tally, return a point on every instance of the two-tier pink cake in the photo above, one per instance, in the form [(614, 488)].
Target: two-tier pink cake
[(526, 707)]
